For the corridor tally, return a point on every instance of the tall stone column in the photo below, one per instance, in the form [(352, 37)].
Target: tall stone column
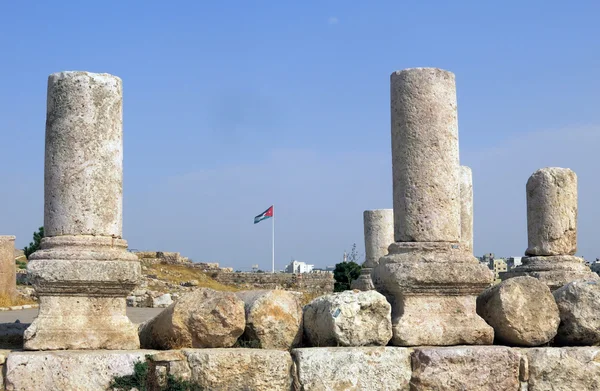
[(379, 234), (83, 271), (8, 269), (431, 275), (552, 230), (466, 207)]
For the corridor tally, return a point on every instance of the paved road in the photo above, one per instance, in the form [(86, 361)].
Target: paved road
[(137, 315)]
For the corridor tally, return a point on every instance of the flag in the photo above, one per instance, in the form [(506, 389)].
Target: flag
[(264, 215)]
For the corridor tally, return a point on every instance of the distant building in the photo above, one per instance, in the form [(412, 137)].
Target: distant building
[(498, 266), (513, 262), (299, 267)]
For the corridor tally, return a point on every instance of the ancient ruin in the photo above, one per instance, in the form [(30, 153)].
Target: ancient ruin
[(552, 230), (83, 272), (379, 234), (428, 266), (8, 269)]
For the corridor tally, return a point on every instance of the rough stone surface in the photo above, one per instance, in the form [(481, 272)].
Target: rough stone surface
[(425, 156), (162, 301), (564, 369), (472, 368), (433, 288), (521, 310), (8, 270), (379, 234), (554, 270), (552, 212), (466, 207), (240, 369), (273, 318), (579, 307), (84, 155), (68, 371), (83, 268), (349, 318), (204, 318), (365, 368)]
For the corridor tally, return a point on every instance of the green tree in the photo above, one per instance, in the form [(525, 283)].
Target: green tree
[(344, 273), (35, 245)]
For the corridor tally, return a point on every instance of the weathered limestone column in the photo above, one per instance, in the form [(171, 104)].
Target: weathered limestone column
[(552, 230), (379, 234), (8, 270), (466, 207), (432, 277), (83, 272)]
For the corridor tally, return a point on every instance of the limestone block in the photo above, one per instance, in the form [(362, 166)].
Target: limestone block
[(273, 318), (473, 368), (240, 369), (466, 207), (349, 318), (162, 301), (579, 307), (364, 368), (364, 282), (203, 318), (8, 270), (564, 369), (69, 370), (84, 155), (552, 212), (425, 159), (521, 310)]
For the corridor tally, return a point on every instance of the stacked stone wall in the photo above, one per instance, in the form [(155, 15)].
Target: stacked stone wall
[(305, 282)]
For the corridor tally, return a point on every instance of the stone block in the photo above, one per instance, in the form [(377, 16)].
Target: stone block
[(204, 318), (350, 318), (8, 280), (69, 370), (472, 368), (564, 369), (358, 368), (273, 318), (240, 369), (579, 306), (521, 310)]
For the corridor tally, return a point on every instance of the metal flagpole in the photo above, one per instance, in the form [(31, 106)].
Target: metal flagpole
[(273, 243)]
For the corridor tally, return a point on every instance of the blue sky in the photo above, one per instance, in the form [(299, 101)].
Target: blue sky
[(232, 106)]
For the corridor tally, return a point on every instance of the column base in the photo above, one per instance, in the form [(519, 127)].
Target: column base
[(433, 289), (553, 270), (82, 282), (81, 323), (364, 281)]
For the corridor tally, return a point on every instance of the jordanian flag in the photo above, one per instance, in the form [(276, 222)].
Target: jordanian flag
[(264, 215)]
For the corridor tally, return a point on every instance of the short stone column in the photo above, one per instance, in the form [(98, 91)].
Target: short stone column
[(432, 276), (379, 234), (552, 230), (83, 271), (8, 270), (466, 207)]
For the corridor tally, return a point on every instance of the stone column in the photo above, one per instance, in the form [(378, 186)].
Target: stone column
[(466, 207), (552, 230), (432, 278), (8, 270), (379, 234), (83, 271)]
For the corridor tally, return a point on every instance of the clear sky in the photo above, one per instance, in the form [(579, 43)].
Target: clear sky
[(231, 106)]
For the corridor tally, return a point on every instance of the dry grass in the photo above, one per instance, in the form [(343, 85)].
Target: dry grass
[(307, 297), (6, 301), (177, 274)]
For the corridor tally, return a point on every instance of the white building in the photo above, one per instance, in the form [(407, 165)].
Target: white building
[(299, 267)]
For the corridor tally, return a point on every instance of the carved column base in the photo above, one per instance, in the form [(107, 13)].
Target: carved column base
[(433, 288), (554, 270), (82, 283), (364, 282)]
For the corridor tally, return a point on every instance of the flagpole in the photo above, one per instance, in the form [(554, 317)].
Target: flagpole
[(273, 243)]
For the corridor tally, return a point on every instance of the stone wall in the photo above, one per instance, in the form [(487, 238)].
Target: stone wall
[(305, 282), (473, 368)]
